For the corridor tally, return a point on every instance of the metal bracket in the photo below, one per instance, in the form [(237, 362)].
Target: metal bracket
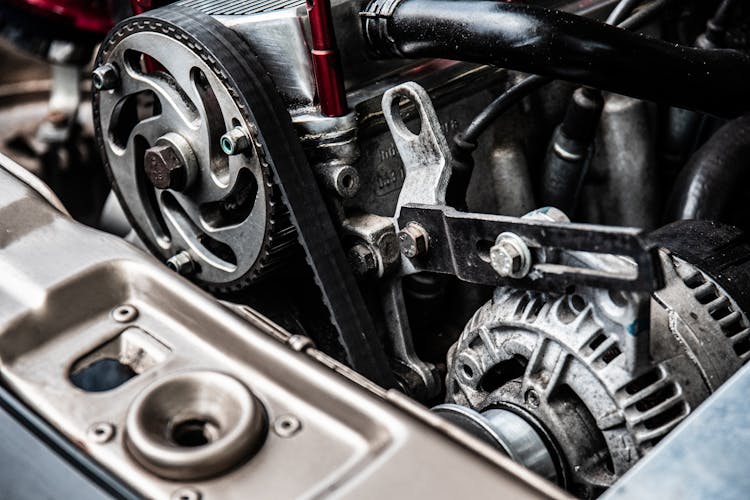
[(426, 155), (460, 243)]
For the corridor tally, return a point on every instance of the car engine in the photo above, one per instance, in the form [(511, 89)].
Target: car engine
[(345, 248)]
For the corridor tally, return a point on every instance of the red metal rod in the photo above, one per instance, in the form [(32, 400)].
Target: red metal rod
[(326, 62)]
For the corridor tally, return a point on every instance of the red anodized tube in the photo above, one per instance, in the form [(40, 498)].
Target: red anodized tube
[(325, 58)]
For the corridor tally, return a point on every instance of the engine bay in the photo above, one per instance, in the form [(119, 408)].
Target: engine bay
[(420, 248)]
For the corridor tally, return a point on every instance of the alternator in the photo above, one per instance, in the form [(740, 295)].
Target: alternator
[(544, 377)]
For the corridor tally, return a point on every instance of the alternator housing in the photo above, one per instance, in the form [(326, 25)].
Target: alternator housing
[(555, 361)]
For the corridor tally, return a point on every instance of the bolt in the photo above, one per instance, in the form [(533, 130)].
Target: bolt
[(105, 77), (181, 263), (389, 247), (510, 257), (362, 259), (532, 398), (235, 141), (414, 240), (101, 432), (287, 426), (164, 168)]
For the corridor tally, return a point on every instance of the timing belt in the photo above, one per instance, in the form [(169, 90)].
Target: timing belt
[(238, 66)]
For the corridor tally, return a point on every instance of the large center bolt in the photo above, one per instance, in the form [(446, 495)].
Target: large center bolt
[(171, 163)]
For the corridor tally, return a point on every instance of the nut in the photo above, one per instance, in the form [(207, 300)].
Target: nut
[(362, 259), (510, 257), (235, 141), (181, 263), (164, 168), (414, 240), (105, 77)]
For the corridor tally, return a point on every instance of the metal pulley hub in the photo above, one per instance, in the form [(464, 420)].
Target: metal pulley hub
[(184, 150)]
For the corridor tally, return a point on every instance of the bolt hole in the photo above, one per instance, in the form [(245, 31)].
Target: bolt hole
[(483, 249), (347, 181), (194, 432), (468, 371), (402, 106), (98, 81)]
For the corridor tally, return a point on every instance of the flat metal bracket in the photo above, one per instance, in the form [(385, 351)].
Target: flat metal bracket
[(460, 243)]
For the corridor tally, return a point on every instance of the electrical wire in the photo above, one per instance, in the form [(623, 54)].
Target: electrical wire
[(621, 15)]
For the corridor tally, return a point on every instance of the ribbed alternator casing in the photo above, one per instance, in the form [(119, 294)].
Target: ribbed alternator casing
[(553, 358)]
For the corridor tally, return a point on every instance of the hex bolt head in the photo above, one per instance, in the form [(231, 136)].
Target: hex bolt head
[(362, 259), (181, 263), (105, 77), (510, 257), (413, 240), (164, 168), (235, 141)]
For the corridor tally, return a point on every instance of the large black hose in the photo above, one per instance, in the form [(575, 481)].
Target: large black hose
[(563, 46), (705, 186)]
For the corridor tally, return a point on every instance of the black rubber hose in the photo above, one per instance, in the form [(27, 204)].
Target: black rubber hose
[(563, 46), (704, 187)]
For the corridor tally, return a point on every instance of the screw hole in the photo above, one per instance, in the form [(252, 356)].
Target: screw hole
[(468, 371), (194, 432)]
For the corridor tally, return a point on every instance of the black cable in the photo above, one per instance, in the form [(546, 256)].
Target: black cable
[(501, 104)]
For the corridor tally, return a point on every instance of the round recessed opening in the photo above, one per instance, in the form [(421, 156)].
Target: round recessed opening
[(194, 432), (194, 425)]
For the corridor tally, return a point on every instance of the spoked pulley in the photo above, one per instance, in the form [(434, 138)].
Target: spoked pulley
[(185, 152)]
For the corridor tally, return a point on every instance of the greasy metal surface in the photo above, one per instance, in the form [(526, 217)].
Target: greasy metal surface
[(53, 311)]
